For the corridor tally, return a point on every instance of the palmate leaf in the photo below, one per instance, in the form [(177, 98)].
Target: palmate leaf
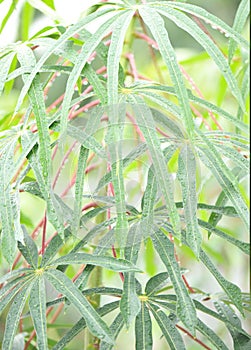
[(65, 286), (14, 315), (192, 28), (187, 178), (143, 329), (185, 307), (156, 25), (232, 291), (81, 324), (37, 306), (168, 328), (214, 162), (130, 303), (146, 123), (104, 261)]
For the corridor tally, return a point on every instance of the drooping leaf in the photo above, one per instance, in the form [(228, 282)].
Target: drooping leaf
[(211, 335)]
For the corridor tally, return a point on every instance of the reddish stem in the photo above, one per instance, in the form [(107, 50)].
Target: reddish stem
[(192, 337)]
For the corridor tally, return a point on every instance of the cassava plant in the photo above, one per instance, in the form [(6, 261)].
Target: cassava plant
[(123, 178)]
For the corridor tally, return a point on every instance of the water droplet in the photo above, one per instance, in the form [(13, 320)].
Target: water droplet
[(227, 35), (85, 82), (76, 88), (58, 74)]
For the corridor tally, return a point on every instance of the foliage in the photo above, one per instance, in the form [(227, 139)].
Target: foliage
[(143, 146)]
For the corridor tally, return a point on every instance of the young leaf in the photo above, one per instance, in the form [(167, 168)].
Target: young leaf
[(65, 286), (143, 329), (157, 282), (168, 328), (185, 307), (4, 69), (29, 249), (37, 305), (187, 179)]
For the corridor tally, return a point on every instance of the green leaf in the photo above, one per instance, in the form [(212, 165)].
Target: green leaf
[(65, 286), (203, 39), (8, 242), (168, 328), (148, 202), (71, 31), (51, 250), (214, 162), (8, 14), (185, 307), (114, 137), (115, 328), (187, 178), (156, 283), (96, 83), (121, 24), (232, 291), (79, 186), (103, 261), (210, 19), (4, 68), (87, 49), (37, 306), (239, 23), (156, 25), (143, 329), (81, 324), (45, 9), (14, 316), (130, 303), (211, 335), (29, 249), (241, 341), (146, 124), (245, 247), (26, 20)]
